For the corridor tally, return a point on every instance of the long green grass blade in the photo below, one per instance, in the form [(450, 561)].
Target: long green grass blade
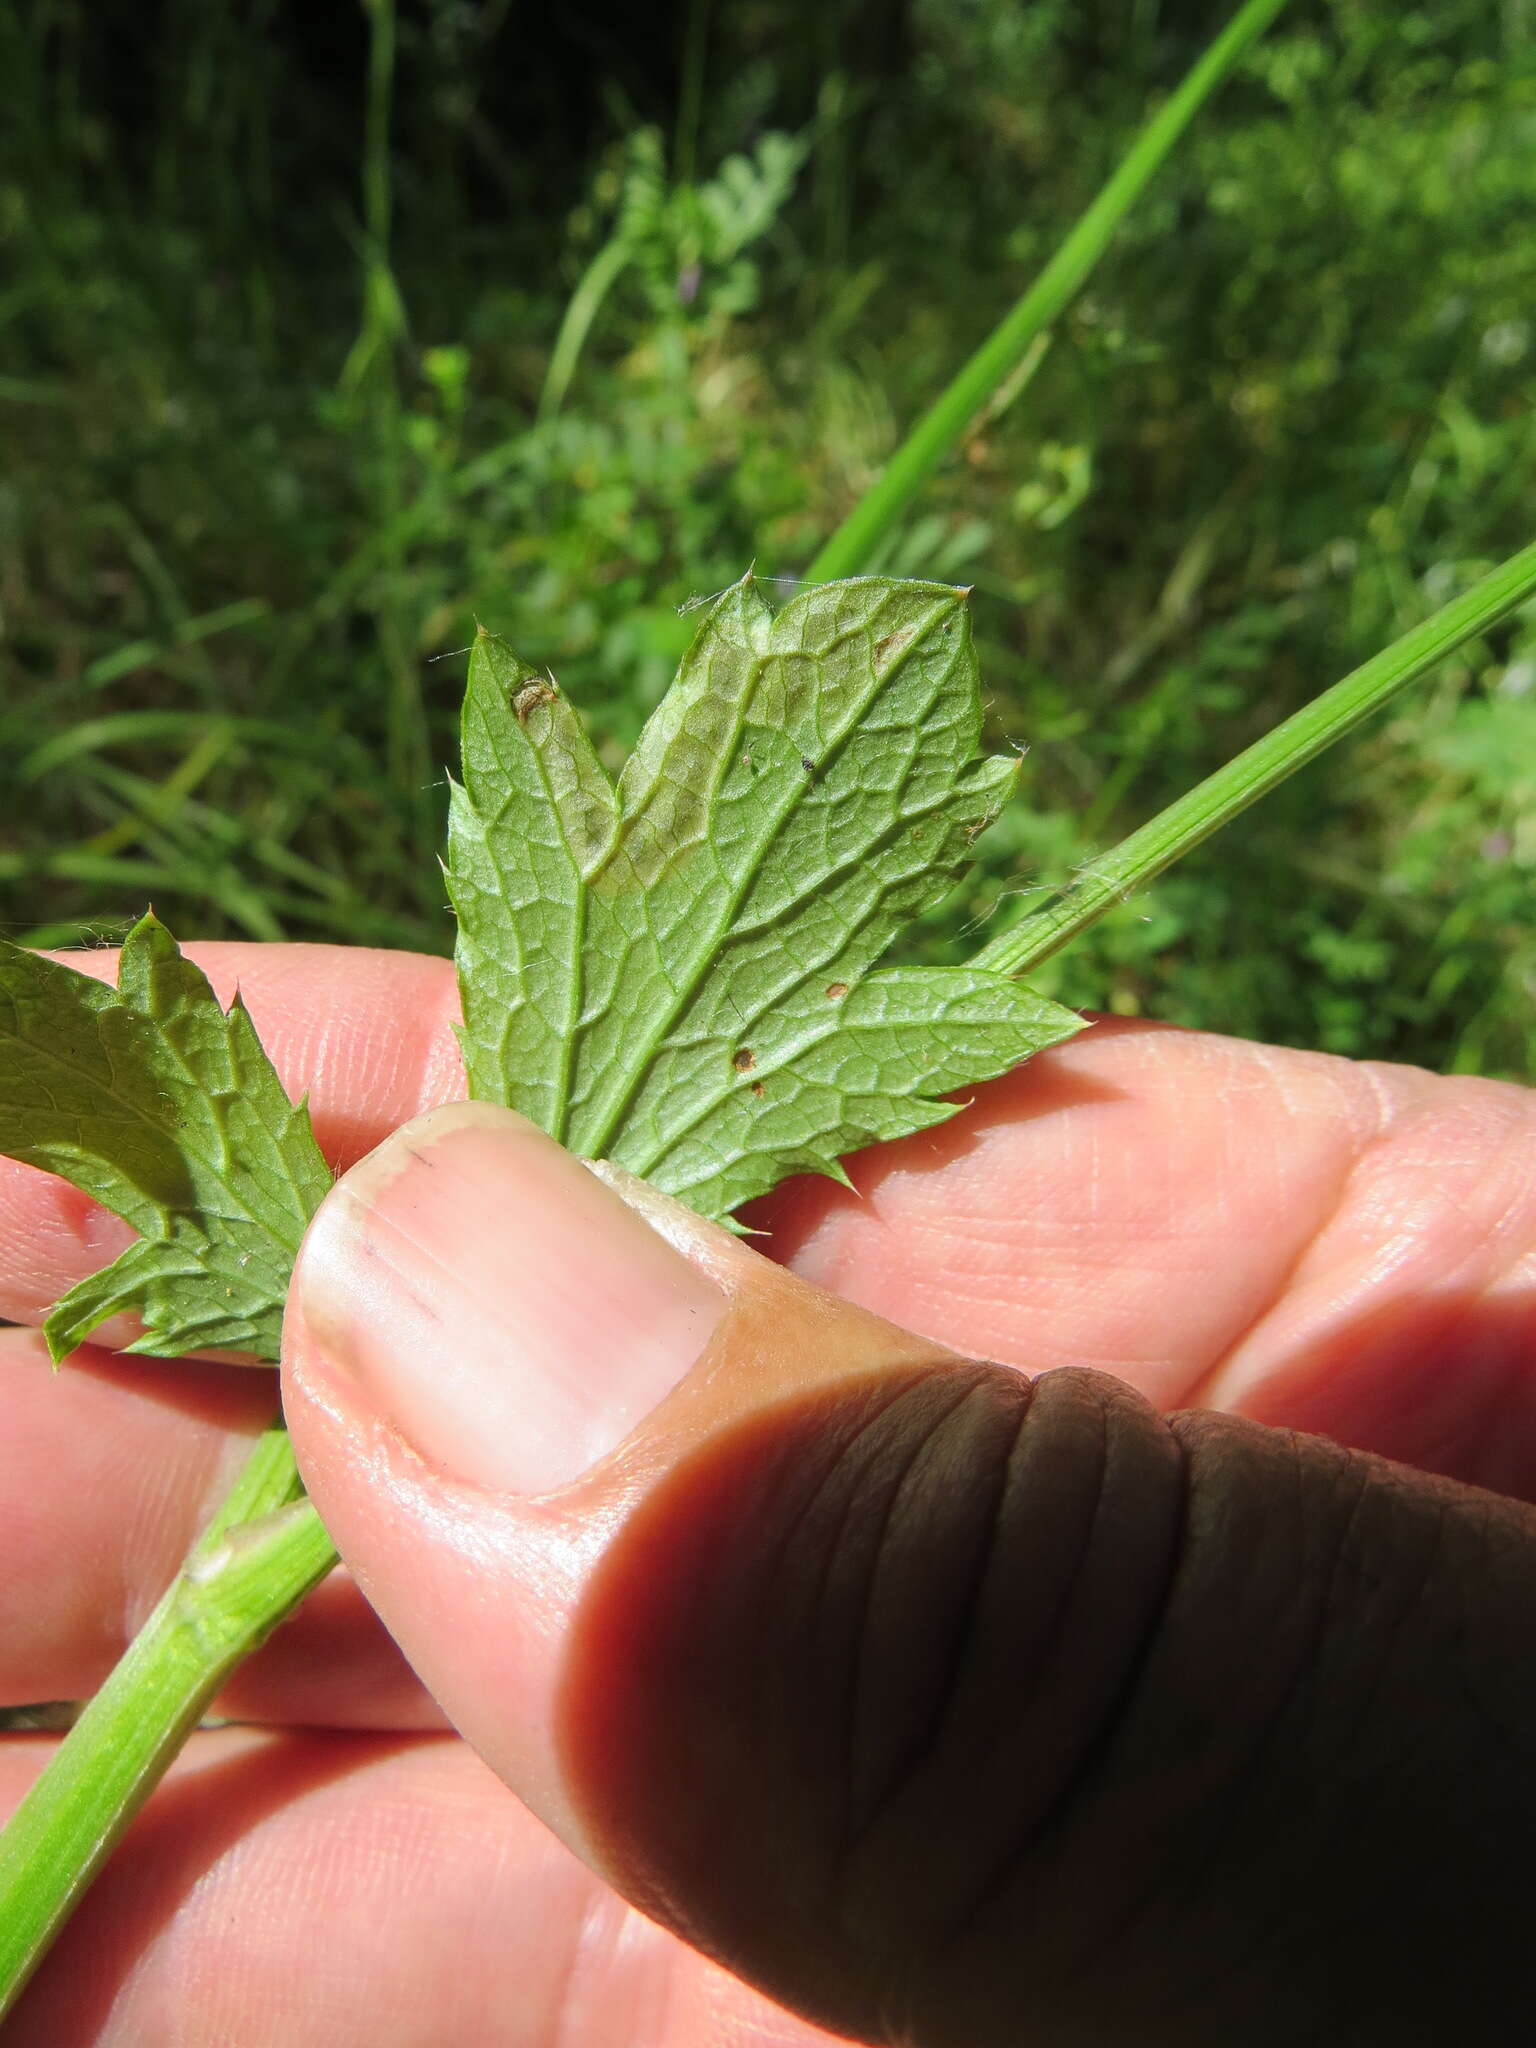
[(850, 550), (586, 302), (1262, 767)]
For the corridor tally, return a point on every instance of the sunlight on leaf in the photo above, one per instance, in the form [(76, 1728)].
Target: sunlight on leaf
[(679, 973)]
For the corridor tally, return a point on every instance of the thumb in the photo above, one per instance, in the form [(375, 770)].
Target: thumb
[(946, 1706)]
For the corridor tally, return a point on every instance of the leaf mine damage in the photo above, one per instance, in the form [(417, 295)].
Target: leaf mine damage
[(809, 786)]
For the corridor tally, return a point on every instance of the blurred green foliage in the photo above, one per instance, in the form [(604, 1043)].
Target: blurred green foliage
[(289, 400)]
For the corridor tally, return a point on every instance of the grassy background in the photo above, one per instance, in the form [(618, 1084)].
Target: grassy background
[(324, 331)]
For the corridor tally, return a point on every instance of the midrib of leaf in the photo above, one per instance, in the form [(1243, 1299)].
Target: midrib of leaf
[(576, 965), (706, 1105), (578, 980), (267, 1215), (683, 994), (903, 822), (263, 1213), (709, 950)]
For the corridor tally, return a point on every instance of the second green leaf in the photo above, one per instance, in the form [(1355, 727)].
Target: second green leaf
[(679, 972)]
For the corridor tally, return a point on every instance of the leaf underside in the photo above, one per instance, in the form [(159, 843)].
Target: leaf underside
[(678, 972), (164, 1107)]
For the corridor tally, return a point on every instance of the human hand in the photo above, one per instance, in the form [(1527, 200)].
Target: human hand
[(949, 1712)]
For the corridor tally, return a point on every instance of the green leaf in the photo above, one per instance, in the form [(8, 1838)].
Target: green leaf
[(165, 1108), (534, 813), (679, 973)]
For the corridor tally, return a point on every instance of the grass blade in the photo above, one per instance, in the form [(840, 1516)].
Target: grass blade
[(1262, 767), (850, 549)]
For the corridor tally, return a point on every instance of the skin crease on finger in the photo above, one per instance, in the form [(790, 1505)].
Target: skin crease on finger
[(1412, 1203), (1346, 1249), (1326, 1234), (715, 1657)]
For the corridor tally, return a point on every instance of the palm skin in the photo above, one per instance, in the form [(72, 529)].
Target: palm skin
[(1342, 1249)]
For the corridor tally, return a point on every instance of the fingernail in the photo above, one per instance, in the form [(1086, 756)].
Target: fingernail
[(503, 1309)]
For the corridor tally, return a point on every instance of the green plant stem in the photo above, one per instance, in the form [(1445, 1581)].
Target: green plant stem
[(264, 1550), (597, 280), (851, 548), (1261, 768)]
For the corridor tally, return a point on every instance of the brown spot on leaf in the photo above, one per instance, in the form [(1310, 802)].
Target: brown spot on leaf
[(744, 1059), (886, 650), (531, 696), (836, 990), (758, 1088)]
